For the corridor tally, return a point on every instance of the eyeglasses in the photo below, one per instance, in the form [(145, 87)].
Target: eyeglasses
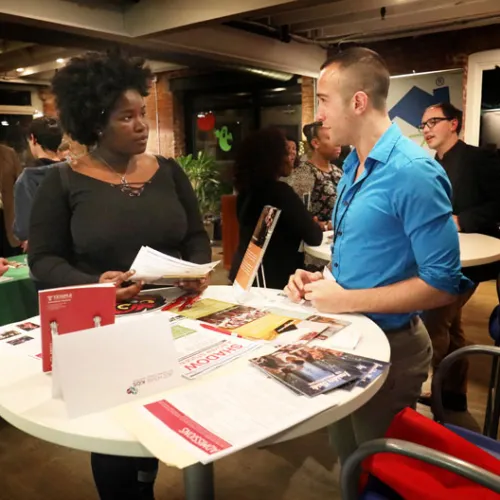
[(432, 122)]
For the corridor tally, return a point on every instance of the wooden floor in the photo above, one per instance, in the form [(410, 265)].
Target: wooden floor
[(299, 470)]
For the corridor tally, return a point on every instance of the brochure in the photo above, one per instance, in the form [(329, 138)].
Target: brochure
[(306, 369), (256, 249), (71, 309)]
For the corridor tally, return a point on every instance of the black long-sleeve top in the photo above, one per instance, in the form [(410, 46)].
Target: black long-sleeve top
[(80, 230), (474, 174), (295, 225)]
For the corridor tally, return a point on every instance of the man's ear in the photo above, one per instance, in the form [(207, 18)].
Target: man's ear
[(33, 139), (454, 125), (315, 143)]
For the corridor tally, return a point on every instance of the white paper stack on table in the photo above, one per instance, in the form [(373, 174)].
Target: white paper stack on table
[(201, 351), (156, 268)]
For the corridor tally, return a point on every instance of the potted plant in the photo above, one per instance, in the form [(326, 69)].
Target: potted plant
[(204, 174)]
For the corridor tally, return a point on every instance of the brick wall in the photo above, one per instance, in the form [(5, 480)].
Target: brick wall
[(165, 115), (438, 51), (307, 100)]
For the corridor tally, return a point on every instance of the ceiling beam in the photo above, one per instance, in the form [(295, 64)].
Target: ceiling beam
[(66, 13), (32, 56), (43, 67), (335, 8), (396, 11), (404, 19), (148, 17), (232, 46)]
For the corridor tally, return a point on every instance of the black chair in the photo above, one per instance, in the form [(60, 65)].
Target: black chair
[(492, 416), (486, 442), (350, 471)]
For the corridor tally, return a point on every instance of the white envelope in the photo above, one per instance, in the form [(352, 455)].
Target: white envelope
[(104, 367)]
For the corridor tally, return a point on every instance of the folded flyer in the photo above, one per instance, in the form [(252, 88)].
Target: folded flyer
[(156, 268)]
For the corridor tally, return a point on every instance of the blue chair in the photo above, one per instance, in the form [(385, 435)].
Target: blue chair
[(493, 405), (350, 471), (489, 444)]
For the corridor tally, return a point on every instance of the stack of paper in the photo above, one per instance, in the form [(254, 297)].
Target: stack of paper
[(156, 268), (201, 351)]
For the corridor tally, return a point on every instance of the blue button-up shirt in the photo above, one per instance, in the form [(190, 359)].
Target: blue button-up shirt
[(395, 222)]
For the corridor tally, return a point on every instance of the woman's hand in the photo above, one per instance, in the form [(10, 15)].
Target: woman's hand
[(118, 278), (194, 286), (4, 266)]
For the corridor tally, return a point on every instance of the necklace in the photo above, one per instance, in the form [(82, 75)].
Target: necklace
[(125, 186)]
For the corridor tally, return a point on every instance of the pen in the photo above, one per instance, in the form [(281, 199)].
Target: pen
[(220, 330), (189, 302)]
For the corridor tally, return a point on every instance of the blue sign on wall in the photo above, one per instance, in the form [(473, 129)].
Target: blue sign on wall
[(413, 104)]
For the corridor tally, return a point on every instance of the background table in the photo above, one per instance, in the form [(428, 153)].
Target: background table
[(26, 401), (475, 249), (18, 296)]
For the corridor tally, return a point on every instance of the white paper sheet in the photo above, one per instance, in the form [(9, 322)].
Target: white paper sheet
[(222, 415), (104, 367), (155, 267)]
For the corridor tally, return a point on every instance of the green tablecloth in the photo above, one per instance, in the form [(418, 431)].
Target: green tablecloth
[(18, 296)]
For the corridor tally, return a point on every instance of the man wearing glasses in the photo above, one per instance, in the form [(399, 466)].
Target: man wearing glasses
[(474, 174)]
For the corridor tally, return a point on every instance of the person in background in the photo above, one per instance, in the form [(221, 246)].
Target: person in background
[(10, 169), (44, 140), (474, 174), (395, 248), (262, 159), (293, 152), (4, 266), (90, 217), (318, 176)]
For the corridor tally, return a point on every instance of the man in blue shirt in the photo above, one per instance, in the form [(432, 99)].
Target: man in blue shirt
[(395, 249)]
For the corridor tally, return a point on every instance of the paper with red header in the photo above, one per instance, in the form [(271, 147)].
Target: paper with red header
[(73, 308), (222, 415)]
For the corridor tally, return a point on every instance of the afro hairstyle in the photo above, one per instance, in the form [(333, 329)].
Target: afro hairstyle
[(87, 88)]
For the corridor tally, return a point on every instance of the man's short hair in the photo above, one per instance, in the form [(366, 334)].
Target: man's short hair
[(311, 132), (369, 73), (47, 133), (451, 113)]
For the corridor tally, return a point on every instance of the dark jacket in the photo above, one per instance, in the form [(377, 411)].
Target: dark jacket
[(10, 169), (474, 174), (24, 194)]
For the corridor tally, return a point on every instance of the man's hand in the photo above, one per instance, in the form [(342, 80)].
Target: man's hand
[(327, 296), (118, 278), (24, 246), (295, 289), (4, 266), (457, 222)]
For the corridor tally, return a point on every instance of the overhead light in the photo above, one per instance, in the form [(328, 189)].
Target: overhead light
[(60, 60), (5, 123), (20, 70), (37, 114), (279, 89)]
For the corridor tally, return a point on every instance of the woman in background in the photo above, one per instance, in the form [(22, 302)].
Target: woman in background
[(91, 216), (262, 159)]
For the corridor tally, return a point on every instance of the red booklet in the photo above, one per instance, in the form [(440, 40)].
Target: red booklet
[(71, 309)]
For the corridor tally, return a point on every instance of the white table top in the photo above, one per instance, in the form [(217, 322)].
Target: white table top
[(26, 396), (475, 249)]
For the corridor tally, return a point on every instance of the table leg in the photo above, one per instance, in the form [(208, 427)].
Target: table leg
[(199, 482)]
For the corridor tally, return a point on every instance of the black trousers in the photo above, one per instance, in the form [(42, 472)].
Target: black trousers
[(124, 478)]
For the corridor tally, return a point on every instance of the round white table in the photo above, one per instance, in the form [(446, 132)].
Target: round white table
[(475, 249), (26, 400)]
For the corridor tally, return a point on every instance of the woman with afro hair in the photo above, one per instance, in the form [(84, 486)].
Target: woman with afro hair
[(91, 216)]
